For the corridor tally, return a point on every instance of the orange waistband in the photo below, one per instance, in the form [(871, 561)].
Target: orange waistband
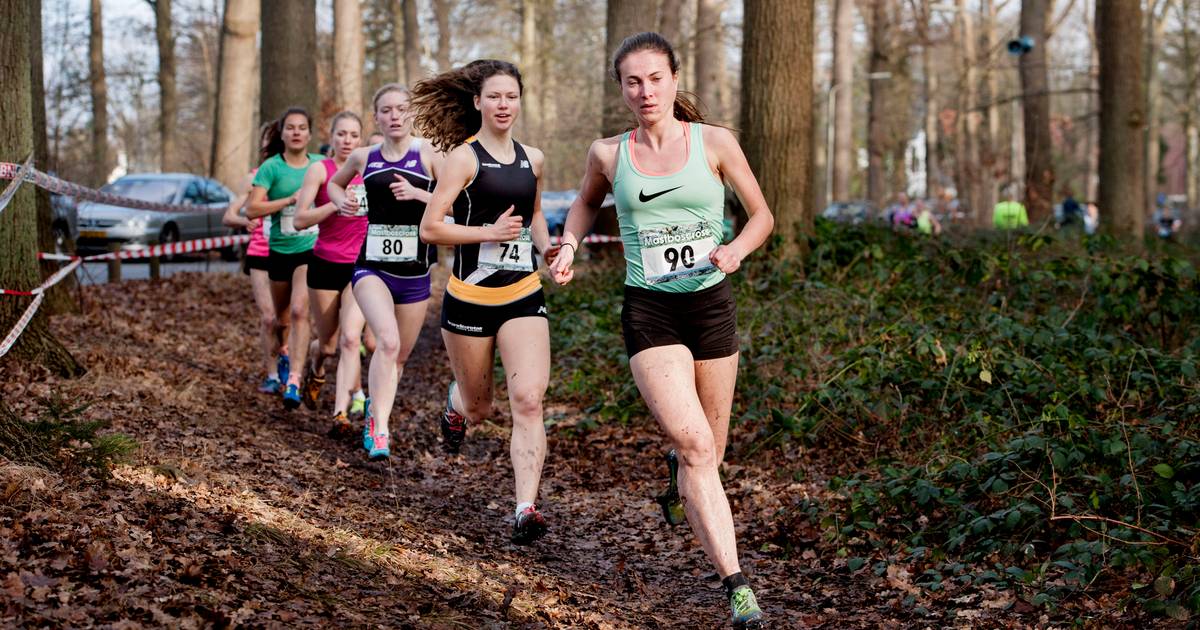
[(494, 296)]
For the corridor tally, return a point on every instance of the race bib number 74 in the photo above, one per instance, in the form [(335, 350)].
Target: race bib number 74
[(676, 251), (514, 255)]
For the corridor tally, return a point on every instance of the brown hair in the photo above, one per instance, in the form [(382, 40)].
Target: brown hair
[(685, 109), (384, 89), (266, 132), (275, 143), (444, 105), (344, 115)]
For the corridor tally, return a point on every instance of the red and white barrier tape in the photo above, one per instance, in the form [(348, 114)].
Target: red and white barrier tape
[(590, 238), (183, 247), (17, 172), (26, 317)]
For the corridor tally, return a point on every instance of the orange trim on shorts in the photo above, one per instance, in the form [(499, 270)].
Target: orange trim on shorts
[(494, 296)]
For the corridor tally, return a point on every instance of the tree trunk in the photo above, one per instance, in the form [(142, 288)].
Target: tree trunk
[(348, 54), (931, 120), (168, 100), (99, 89), (441, 14), (1155, 27), (58, 299), (531, 114), (624, 18), (991, 148), (776, 123), (18, 223), (967, 145), (412, 43), (1035, 88), (234, 144), (670, 21), (1122, 116), (289, 57), (710, 57), (877, 137), (843, 99)]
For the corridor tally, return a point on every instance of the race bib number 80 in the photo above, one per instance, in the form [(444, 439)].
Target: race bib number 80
[(514, 255), (676, 251), (392, 243)]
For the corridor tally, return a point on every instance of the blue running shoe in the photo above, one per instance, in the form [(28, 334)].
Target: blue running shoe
[(270, 385), (368, 427), (291, 396), (284, 366), (379, 447)]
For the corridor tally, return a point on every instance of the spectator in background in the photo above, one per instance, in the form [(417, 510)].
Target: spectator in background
[(1072, 211), (901, 213), (1009, 214), (1091, 220), (927, 223)]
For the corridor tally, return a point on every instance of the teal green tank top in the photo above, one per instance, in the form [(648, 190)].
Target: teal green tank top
[(669, 223)]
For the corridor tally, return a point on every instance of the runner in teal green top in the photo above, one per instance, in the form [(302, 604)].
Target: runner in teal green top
[(679, 317), (273, 197)]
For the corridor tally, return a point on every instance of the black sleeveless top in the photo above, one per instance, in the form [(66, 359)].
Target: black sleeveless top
[(384, 209), (496, 186)]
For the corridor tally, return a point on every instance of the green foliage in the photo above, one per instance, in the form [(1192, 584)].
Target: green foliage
[(60, 439), (1016, 400)]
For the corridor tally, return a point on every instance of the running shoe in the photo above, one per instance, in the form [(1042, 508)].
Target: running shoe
[(270, 385), (746, 613), (356, 405), (454, 425), (341, 425), (530, 526), (379, 447), (291, 396), (669, 501), (368, 427), (283, 366), (311, 389)]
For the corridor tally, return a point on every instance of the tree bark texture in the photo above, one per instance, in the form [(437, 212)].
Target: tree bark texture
[(967, 142), (234, 143), (168, 99), (348, 54), (1155, 29), (99, 90), (1035, 89), (670, 22), (1122, 118), (18, 223), (877, 136), (992, 146), (776, 119), (710, 58), (624, 18), (843, 98), (412, 42), (531, 113), (930, 78), (289, 57), (441, 14)]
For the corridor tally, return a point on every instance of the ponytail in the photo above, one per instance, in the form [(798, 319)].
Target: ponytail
[(444, 105)]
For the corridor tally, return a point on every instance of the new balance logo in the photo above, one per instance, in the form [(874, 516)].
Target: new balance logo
[(542, 310), (410, 164), (524, 163)]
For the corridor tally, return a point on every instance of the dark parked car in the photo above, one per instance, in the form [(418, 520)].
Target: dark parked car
[(102, 224), (855, 212), (555, 204)]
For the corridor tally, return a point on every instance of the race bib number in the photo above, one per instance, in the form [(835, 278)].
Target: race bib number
[(676, 251), (360, 193), (514, 255), (266, 229), (287, 222), (392, 243)]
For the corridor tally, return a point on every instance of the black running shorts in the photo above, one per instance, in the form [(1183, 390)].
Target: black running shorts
[(705, 321), (478, 320), (254, 262), (328, 276), (280, 267)]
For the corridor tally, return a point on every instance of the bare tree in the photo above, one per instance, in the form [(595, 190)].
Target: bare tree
[(880, 63), (843, 98), (99, 89), (776, 118), (967, 137), (233, 141), (348, 54), (406, 49), (623, 18), (531, 113), (441, 14), (18, 229), (990, 149), (711, 82), (289, 56), (1122, 115), (167, 97), (670, 21), (1035, 89), (1155, 27)]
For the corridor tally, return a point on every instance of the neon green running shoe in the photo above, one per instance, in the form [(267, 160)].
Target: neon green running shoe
[(356, 405), (746, 613)]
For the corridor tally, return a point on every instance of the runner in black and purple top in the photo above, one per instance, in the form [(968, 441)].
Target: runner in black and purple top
[(391, 276)]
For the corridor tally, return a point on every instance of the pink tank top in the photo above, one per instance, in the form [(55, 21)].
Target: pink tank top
[(258, 243), (339, 237)]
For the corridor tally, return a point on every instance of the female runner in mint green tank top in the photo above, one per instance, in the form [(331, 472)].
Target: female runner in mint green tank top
[(678, 318)]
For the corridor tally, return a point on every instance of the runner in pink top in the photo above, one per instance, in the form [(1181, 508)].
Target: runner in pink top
[(331, 301)]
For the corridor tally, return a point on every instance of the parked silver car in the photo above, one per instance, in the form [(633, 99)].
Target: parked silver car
[(102, 224)]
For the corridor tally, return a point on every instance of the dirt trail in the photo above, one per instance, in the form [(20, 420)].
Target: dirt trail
[(235, 511)]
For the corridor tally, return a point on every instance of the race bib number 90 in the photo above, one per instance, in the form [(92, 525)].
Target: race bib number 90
[(360, 194), (514, 255), (287, 222), (676, 251), (392, 243)]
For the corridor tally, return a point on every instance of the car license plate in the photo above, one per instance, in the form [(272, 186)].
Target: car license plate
[(92, 234)]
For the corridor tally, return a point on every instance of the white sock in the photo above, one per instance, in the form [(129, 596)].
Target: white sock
[(274, 375), (521, 507), (358, 395)]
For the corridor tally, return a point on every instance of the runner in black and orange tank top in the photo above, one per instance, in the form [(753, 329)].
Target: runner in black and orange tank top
[(494, 299)]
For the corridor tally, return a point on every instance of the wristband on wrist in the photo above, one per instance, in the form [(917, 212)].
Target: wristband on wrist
[(573, 248)]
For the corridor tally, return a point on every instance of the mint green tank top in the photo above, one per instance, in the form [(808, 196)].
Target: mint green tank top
[(669, 223)]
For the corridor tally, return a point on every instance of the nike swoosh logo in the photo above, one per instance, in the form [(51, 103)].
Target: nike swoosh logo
[(643, 197)]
